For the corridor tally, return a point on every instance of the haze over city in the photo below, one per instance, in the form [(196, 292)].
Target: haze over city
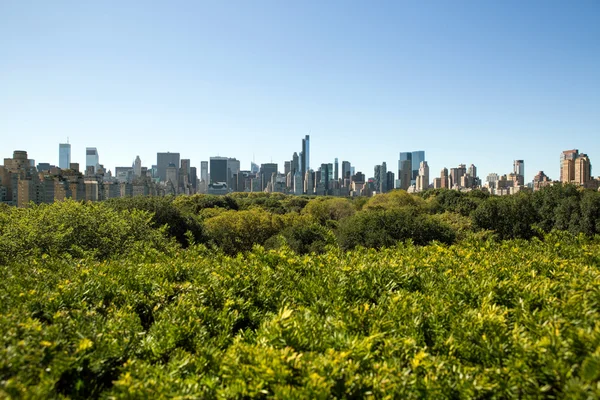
[(484, 83)]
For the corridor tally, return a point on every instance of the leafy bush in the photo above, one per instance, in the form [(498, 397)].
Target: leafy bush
[(75, 229), (306, 236), (479, 319), (510, 217), (238, 231), (329, 209), (164, 212), (384, 228)]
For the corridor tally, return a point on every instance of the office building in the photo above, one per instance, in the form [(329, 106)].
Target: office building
[(233, 169), (91, 158), (583, 170), (305, 155), (405, 170), (567, 165), (163, 160), (218, 170), (204, 171), (64, 155), (266, 174), (417, 157), (137, 166), (423, 177)]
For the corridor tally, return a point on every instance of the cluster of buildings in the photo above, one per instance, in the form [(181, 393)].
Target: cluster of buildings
[(22, 182)]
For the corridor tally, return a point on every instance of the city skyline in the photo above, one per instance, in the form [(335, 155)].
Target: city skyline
[(482, 83), (529, 176)]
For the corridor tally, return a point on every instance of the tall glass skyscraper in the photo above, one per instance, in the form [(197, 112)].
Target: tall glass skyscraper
[(64, 155), (91, 158), (417, 158)]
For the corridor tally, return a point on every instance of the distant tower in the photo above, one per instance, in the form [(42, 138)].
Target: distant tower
[(137, 166), (336, 173), (64, 155), (306, 153), (295, 163), (416, 158), (204, 171), (91, 158), (583, 169), (444, 181), (298, 187), (423, 177), (519, 167), (567, 165), (309, 184)]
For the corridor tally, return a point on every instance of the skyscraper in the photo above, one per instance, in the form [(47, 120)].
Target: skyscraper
[(91, 158), (519, 167), (218, 169), (417, 158), (137, 166), (64, 155), (204, 171), (233, 169), (336, 173), (162, 162), (423, 177), (295, 163), (583, 169), (266, 173), (405, 170), (305, 153), (567, 165), (346, 167)]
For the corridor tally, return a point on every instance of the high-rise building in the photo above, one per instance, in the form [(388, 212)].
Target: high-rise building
[(444, 179), (266, 174), (309, 183), (233, 169), (91, 158), (583, 170), (218, 170), (405, 173), (336, 173), (456, 175), (137, 166), (405, 170), (295, 163), (346, 167), (204, 171), (64, 155), (423, 177), (194, 178), (519, 167), (305, 155), (567, 165), (417, 158), (298, 186), (541, 180), (389, 182), (162, 162)]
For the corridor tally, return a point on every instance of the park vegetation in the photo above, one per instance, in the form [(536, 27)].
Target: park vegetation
[(438, 295)]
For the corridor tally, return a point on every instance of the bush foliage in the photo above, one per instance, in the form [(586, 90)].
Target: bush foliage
[(444, 295), (479, 319)]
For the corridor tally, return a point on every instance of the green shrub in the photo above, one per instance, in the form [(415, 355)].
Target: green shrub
[(384, 228), (164, 212)]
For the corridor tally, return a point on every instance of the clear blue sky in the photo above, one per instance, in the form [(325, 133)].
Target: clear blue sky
[(482, 82)]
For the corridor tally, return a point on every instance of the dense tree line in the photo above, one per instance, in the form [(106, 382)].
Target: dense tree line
[(239, 221)]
